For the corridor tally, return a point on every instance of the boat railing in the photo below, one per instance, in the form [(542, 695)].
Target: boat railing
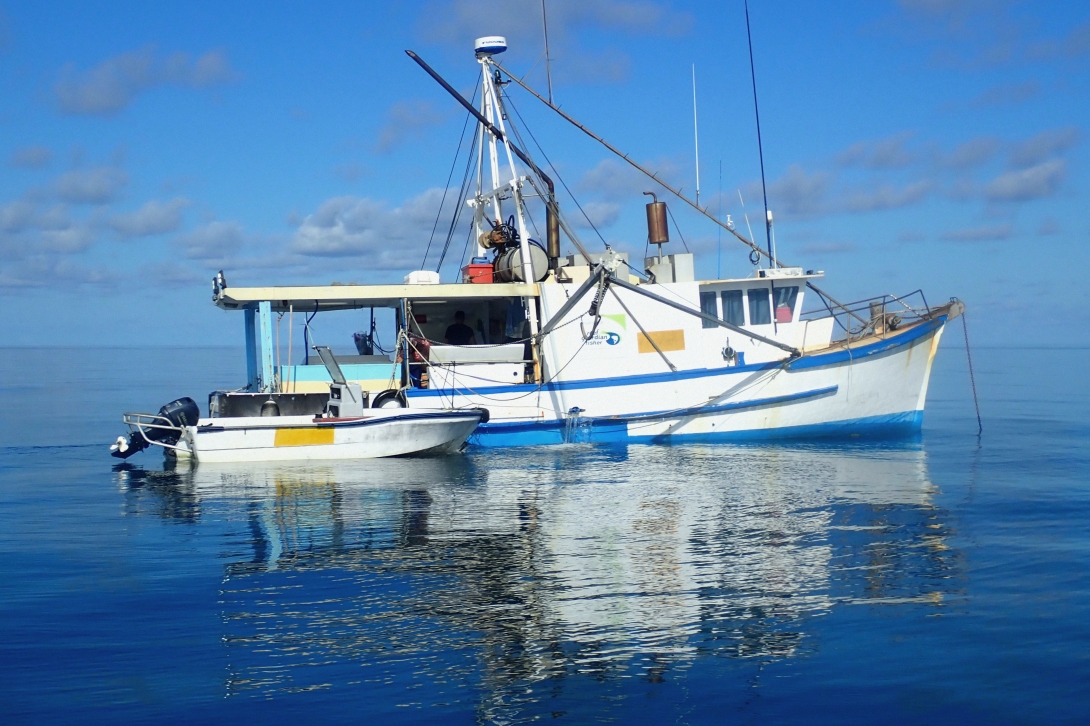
[(874, 315), (141, 422)]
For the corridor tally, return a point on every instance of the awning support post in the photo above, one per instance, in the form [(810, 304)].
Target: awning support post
[(264, 319), (251, 349)]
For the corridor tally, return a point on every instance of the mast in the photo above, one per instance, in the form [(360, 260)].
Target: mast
[(488, 111), (492, 111)]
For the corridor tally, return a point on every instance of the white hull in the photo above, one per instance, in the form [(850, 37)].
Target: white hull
[(873, 388), (382, 433)]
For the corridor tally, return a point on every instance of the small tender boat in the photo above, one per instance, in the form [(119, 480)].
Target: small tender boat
[(250, 427)]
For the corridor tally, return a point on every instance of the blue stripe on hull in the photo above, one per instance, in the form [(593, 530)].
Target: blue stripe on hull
[(605, 431), (813, 360)]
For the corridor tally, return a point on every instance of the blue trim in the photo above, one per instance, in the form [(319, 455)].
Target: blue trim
[(878, 348), (603, 431), (810, 361)]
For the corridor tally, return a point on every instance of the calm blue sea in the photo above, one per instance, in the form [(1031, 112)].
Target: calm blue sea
[(944, 580)]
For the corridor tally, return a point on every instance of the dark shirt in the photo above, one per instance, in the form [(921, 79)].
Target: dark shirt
[(459, 334)]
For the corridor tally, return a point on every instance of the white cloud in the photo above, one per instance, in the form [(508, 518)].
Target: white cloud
[(46, 270), (1035, 182), (888, 153), (155, 217), (827, 248), (407, 120), (798, 193), (571, 24), (601, 214), (1046, 144), (26, 229), (980, 234), (1007, 94), (1077, 43), (972, 153), (116, 82), (31, 157), (886, 196), (91, 186), (213, 241), (456, 21), (16, 216), (616, 180), (388, 238)]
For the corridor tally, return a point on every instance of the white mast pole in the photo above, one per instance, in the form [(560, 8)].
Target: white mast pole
[(489, 108), (516, 193), (696, 139), (478, 207)]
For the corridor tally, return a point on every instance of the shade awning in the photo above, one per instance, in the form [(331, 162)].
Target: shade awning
[(352, 297)]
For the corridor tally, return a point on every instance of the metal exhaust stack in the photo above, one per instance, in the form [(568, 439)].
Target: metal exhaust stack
[(552, 231), (658, 233)]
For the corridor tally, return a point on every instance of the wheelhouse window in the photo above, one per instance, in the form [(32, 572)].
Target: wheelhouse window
[(785, 303), (707, 306), (759, 311), (733, 307)]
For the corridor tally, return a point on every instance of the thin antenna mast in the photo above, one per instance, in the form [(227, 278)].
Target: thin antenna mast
[(719, 230), (760, 149), (696, 139), (548, 68)]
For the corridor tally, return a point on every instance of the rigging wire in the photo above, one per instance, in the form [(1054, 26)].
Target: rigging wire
[(471, 163), (760, 148), (677, 228), (446, 187), (554, 170), (972, 378)]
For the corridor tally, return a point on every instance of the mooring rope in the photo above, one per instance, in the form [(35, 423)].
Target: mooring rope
[(972, 378)]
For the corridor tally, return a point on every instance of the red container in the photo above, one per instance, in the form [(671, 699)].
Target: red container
[(476, 272)]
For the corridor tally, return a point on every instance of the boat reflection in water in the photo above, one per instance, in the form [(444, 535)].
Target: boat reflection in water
[(505, 574)]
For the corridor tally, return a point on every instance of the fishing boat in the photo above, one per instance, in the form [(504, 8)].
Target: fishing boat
[(339, 424), (590, 347)]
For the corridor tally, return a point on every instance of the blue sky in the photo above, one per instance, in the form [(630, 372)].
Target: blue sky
[(935, 144)]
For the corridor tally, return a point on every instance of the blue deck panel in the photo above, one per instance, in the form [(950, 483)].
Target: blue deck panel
[(352, 372)]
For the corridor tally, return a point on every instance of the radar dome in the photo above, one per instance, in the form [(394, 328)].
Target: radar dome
[(490, 44)]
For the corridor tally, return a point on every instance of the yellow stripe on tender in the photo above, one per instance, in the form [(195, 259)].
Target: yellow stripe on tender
[(304, 436), (664, 339)]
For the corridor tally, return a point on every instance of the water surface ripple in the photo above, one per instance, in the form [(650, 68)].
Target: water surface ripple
[(941, 578)]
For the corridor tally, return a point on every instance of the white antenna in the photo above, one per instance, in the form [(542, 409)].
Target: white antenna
[(696, 139), (772, 229), (719, 232), (548, 68)]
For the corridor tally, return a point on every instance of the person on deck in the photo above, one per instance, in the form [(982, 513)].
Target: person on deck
[(459, 333)]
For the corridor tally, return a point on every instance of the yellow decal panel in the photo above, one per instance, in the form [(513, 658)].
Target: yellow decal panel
[(664, 339), (303, 436)]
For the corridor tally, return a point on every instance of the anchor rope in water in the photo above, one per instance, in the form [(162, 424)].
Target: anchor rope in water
[(972, 378)]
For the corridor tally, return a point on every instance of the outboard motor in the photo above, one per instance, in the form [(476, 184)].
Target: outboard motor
[(182, 412)]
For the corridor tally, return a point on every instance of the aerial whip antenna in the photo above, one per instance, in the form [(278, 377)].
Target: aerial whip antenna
[(760, 149), (719, 230), (696, 139), (548, 68)]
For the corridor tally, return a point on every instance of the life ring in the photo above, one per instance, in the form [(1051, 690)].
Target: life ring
[(390, 398)]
